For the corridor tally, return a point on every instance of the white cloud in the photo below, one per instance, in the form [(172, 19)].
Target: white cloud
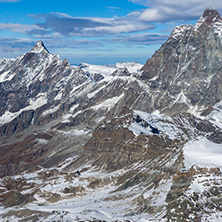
[(117, 27), (12, 47), (172, 10), (18, 27), (141, 39), (88, 26), (140, 2)]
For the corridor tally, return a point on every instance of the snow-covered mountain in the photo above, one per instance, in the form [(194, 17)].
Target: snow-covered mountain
[(132, 67), (147, 140), (185, 73)]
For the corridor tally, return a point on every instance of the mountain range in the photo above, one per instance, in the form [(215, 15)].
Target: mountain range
[(145, 139)]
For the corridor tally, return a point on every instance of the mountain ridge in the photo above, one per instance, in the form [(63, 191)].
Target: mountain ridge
[(185, 48), (138, 138)]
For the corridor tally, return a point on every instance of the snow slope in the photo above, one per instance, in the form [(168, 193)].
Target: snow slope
[(203, 153), (109, 69)]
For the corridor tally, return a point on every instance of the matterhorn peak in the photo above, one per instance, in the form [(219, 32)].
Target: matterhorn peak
[(211, 15), (39, 47), (210, 19)]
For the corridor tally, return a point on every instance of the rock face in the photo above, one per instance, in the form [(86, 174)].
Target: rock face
[(137, 138), (116, 145), (186, 70)]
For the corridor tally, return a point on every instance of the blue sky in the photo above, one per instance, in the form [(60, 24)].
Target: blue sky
[(95, 31)]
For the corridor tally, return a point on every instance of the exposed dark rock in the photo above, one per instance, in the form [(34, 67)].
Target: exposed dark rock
[(18, 124), (189, 65), (13, 198)]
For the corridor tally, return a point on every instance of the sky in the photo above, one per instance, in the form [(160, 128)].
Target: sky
[(95, 31)]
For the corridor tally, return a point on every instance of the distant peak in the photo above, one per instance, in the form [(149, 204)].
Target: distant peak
[(39, 44), (39, 47)]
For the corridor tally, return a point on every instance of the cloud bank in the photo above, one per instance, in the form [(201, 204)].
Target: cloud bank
[(174, 10), (74, 26)]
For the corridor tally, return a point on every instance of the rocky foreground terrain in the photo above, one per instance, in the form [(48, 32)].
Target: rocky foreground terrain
[(147, 140)]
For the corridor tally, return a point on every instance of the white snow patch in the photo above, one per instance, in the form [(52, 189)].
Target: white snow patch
[(109, 69), (215, 217), (216, 115), (202, 153), (65, 118), (100, 119), (92, 94), (38, 102), (180, 30), (181, 98), (73, 108), (5, 77), (159, 195), (75, 132), (80, 90), (137, 129), (41, 141), (154, 78), (92, 205), (34, 104), (93, 69), (196, 111), (217, 28), (163, 123), (109, 103), (197, 185), (131, 66), (52, 110), (67, 162), (59, 96)]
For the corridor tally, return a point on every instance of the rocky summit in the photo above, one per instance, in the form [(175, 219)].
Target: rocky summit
[(115, 143), (186, 71)]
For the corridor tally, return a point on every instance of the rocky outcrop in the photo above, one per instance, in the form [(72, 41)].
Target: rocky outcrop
[(190, 204), (186, 71), (19, 124), (26, 154), (114, 145)]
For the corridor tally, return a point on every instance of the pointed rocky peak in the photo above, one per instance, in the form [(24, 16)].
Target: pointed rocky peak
[(209, 18), (65, 62), (121, 72), (39, 47), (189, 62), (211, 15)]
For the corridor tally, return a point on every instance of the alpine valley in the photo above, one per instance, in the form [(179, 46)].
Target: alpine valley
[(146, 140)]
